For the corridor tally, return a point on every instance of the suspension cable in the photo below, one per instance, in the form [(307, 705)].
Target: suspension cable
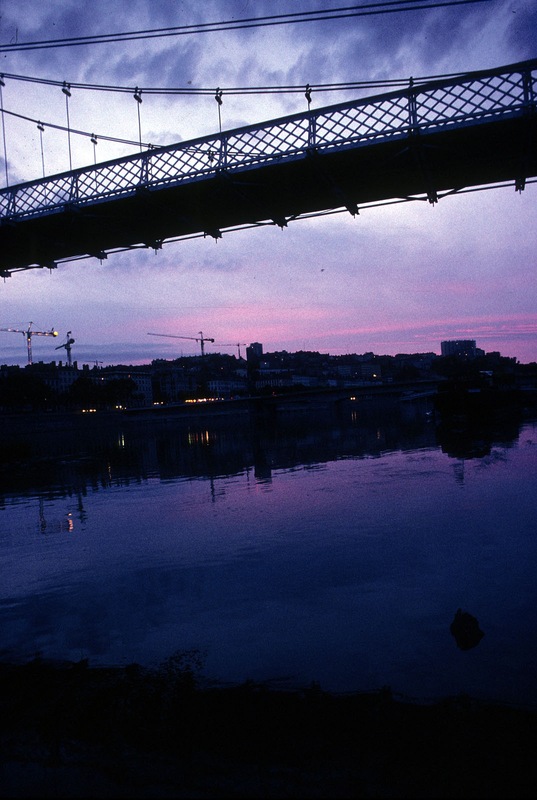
[(78, 132), (388, 83), (3, 128), (321, 15), (41, 129), (67, 93), (138, 98)]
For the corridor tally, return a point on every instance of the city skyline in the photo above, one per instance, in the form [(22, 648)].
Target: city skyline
[(463, 347), (394, 279)]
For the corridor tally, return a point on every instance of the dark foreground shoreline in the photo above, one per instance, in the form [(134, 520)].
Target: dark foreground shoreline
[(71, 730)]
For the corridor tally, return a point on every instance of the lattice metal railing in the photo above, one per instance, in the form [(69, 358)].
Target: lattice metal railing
[(467, 100)]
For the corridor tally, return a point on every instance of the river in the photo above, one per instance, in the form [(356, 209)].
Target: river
[(332, 546)]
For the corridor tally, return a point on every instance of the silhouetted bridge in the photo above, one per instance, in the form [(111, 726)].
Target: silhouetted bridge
[(288, 400), (419, 142)]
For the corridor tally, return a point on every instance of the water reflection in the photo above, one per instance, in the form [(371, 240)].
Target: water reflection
[(464, 438), (71, 456), (64, 525)]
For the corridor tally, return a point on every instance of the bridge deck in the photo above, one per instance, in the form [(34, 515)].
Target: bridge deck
[(441, 137)]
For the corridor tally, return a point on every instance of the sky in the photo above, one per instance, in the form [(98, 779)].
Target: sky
[(397, 278)]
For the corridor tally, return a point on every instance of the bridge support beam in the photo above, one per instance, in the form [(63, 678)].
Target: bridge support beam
[(330, 184)]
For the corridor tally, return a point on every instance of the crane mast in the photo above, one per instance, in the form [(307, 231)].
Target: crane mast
[(67, 344)]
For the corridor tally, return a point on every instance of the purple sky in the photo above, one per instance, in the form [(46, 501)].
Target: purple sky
[(395, 279)]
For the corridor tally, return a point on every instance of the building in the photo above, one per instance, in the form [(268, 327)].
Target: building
[(254, 352), (140, 376), (461, 348)]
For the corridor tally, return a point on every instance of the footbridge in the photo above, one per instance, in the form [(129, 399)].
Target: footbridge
[(420, 142)]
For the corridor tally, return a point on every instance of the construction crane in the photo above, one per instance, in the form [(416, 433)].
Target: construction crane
[(67, 344), (28, 334), (238, 345), (201, 339)]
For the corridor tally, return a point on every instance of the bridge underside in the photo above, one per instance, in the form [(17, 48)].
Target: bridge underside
[(416, 165)]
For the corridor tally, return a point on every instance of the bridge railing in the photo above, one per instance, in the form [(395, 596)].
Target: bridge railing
[(421, 108)]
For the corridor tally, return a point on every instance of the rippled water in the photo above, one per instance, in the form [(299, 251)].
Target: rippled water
[(331, 547)]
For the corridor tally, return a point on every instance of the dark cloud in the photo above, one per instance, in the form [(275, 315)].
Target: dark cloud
[(323, 51)]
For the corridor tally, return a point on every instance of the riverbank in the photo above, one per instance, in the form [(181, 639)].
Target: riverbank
[(70, 730)]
